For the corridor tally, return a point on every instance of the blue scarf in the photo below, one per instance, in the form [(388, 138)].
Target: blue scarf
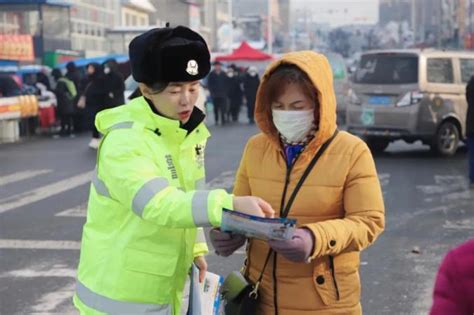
[(292, 152)]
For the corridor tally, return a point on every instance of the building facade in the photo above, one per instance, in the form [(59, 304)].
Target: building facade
[(134, 18), (46, 22), (90, 20)]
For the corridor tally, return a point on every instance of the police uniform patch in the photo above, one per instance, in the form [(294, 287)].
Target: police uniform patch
[(199, 155)]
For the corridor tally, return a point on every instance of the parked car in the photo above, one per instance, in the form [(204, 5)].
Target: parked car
[(410, 95)]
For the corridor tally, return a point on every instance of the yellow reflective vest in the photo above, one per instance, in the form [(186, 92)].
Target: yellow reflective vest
[(147, 206)]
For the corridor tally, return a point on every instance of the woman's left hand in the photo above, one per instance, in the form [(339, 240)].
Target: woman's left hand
[(298, 249), (201, 263)]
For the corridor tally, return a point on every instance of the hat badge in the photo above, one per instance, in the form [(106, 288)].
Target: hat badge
[(192, 68)]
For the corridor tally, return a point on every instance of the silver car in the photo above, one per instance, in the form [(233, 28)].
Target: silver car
[(410, 95)]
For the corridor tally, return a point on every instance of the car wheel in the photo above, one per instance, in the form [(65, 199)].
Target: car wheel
[(446, 140), (377, 145)]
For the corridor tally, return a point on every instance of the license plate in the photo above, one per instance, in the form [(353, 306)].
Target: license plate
[(379, 100)]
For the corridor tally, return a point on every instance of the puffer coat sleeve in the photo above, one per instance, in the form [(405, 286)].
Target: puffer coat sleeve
[(364, 210)]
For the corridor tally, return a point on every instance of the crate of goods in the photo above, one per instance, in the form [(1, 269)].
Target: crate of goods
[(10, 108), (29, 105)]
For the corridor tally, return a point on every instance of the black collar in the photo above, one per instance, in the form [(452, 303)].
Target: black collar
[(197, 117)]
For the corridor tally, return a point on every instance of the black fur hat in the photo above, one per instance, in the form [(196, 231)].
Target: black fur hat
[(169, 55)]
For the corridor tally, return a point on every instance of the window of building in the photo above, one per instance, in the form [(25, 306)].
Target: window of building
[(127, 19), (440, 70)]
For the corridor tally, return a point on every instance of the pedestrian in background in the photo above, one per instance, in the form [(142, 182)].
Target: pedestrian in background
[(470, 129), (147, 202), (65, 92), (74, 75), (251, 83), (339, 208), (234, 93), (96, 96), (115, 82), (217, 84), (454, 288)]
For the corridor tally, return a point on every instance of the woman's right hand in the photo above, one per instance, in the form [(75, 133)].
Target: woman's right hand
[(253, 206), (226, 243)]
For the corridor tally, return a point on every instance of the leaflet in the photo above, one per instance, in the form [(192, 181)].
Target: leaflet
[(256, 227), (206, 297)]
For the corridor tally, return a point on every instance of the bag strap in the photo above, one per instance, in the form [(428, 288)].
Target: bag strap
[(306, 173), (290, 203)]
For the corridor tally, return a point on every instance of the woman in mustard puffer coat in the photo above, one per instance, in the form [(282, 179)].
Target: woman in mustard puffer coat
[(339, 208)]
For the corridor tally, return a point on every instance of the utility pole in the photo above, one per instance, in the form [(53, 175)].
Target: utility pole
[(439, 19), (231, 25), (470, 17), (270, 27), (413, 20)]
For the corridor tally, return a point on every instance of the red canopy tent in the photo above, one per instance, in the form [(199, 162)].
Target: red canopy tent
[(245, 52)]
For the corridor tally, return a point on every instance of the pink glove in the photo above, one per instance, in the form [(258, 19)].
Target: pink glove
[(226, 243), (297, 249)]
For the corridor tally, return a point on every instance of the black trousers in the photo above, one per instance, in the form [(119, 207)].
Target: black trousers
[(234, 109), (220, 109), (250, 108), (67, 123)]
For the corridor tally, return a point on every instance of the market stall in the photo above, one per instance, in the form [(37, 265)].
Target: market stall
[(245, 56), (14, 110)]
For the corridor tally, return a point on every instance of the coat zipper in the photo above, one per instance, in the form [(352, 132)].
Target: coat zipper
[(333, 273), (287, 182)]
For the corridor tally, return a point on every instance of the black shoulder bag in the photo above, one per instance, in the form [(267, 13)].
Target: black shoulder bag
[(240, 295)]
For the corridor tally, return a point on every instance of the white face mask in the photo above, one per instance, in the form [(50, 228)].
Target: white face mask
[(106, 70), (230, 74), (294, 125)]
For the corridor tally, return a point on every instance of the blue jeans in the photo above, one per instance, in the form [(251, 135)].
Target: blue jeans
[(470, 145)]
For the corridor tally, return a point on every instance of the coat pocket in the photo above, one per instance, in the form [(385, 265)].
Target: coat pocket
[(158, 264), (337, 280), (325, 284)]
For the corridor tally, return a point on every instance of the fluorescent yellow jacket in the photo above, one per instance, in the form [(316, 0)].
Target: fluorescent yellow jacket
[(145, 206)]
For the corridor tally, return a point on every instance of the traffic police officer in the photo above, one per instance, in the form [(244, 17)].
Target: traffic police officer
[(148, 202)]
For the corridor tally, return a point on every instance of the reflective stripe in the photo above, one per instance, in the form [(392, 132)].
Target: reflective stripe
[(99, 185), (200, 236), (200, 184), (199, 209), (147, 192), (122, 125), (107, 305)]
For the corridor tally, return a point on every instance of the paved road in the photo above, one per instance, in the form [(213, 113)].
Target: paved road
[(44, 188)]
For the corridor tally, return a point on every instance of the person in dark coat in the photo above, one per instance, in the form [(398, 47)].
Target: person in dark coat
[(74, 75), (65, 92), (470, 129), (8, 86), (234, 93), (454, 288), (43, 79), (251, 83), (96, 98), (115, 82), (217, 85)]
